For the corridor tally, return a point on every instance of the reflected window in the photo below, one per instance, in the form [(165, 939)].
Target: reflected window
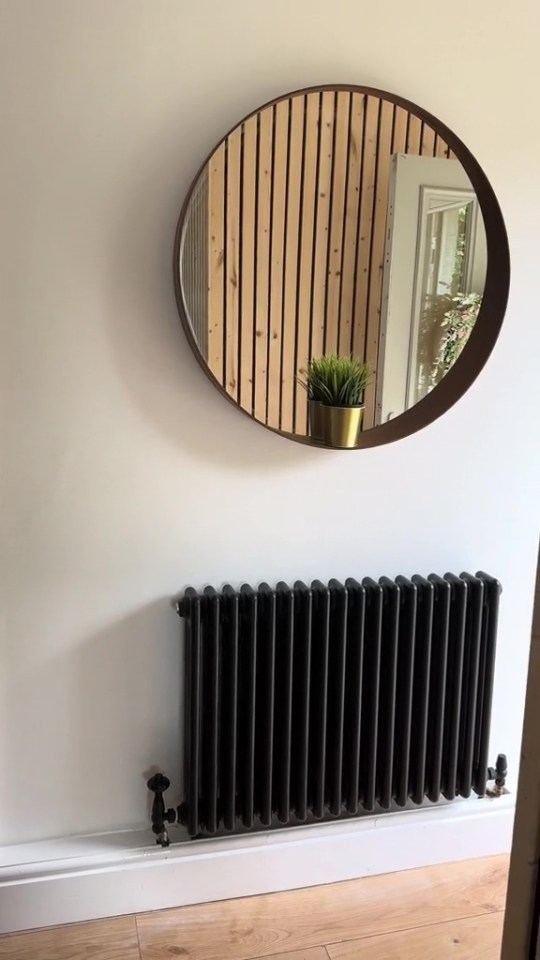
[(448, 227), (435, 269)]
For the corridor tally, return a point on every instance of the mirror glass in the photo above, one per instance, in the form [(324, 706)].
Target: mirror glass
[(330, 222)]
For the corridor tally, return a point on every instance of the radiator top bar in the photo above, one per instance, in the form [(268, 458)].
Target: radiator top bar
[(182, 602)]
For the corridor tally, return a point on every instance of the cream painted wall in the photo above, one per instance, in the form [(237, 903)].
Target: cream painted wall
[(125, 476)]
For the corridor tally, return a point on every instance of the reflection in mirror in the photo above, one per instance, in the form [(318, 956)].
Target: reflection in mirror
[(435, 263), (331, 222)]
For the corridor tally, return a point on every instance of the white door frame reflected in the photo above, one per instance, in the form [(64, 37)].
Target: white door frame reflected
[(437, 200), (401, 288)]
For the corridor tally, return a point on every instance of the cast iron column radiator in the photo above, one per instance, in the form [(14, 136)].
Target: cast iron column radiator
[(331, 701)]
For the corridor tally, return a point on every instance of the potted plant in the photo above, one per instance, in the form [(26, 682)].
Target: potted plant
[(335, 387)]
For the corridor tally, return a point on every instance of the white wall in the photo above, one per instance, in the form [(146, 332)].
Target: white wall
[(125, 475)]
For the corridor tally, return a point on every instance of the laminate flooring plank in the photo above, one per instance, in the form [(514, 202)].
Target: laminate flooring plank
[(476, 938), (99, 940), (316, 953), (266, 925)]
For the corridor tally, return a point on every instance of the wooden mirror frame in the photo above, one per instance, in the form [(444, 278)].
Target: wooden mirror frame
[(490, 317)]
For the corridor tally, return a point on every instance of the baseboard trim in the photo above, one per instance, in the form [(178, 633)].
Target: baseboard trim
[(86, 878)]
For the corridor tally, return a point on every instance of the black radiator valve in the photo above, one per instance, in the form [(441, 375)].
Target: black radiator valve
[(160, 815), (498, 773)]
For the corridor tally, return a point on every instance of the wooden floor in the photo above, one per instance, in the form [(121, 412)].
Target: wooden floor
[(453, 911)]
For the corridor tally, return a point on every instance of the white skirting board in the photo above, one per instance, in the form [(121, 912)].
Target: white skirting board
[(85, 878)]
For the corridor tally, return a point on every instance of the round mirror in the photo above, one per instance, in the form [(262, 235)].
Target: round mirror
[(341, 267)]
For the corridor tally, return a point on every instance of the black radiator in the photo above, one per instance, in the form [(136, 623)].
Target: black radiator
[(332, 701)]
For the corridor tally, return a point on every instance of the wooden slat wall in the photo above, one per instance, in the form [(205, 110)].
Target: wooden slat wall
[(263, 236), (232, 263), (277, 241), (247, 261), (300, 170), (297, 202), (350, 239), (304, 317)]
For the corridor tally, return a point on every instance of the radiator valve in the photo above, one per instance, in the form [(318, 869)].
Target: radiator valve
[(160, 815), (498, 773)]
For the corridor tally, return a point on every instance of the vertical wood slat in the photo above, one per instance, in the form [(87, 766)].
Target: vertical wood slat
[(264, 213), (216, 257), (301, 320), (303, 296), (279, 198), (232, 262), (378, 240), (352, 201), (428, 141), (441, 147), (298, 181), (340, 151), (298, 159), (364, 226), (399, 133), (414, 135), (320, 249), (248, 264)]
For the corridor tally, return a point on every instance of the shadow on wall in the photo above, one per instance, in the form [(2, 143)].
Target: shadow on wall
[(150, 351), (129, 679), (109, 708)]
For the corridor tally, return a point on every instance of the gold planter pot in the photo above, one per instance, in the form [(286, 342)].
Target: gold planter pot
[(315, 421), (339, 426)]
